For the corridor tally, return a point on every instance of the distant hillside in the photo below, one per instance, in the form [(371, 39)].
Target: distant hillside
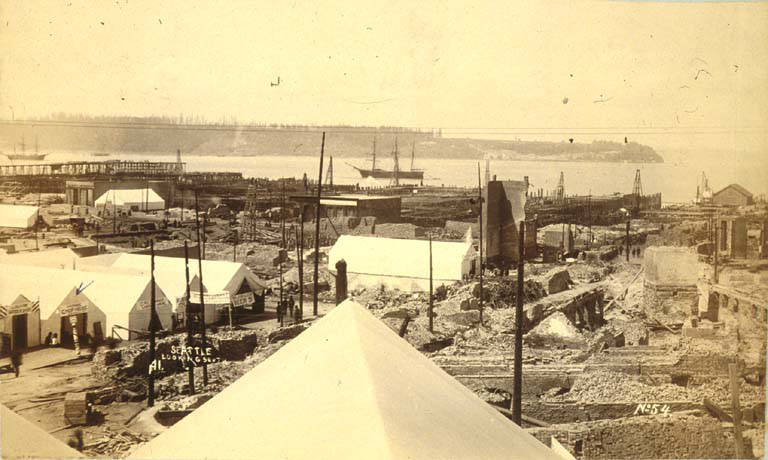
[(164, 135)]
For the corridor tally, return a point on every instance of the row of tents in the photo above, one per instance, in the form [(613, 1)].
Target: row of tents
[(60, 293), (348, 387)]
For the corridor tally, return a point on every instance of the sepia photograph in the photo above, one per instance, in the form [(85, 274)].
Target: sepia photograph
[(383, 230)]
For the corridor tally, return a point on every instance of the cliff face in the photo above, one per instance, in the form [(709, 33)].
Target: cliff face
[(164, 136)]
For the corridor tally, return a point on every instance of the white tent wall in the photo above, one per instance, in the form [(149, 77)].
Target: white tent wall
[(133, 199), (18, 216), (401, 264), (22, 306), (140, 314), (76, 304)]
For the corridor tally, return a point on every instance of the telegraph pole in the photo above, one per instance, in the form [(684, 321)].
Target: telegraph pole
[(152, 316), (430, 284), (627, 238), (317, 226), (188, 315), (200, 279), (518, 383), (480, 199)]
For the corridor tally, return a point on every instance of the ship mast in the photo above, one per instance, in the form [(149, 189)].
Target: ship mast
[(413, 153), (396, 172), (373, 166)]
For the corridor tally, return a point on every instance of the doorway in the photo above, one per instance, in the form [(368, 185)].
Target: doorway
[(67, 336), (19, 329)]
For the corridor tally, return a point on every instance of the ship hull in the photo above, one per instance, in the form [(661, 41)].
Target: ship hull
[(26, 157), (384, 174)]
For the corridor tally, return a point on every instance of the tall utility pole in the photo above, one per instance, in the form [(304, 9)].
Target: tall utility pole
[(301, 264), (37, 219), (114, 212), (589, 219), (716, 276), (429, 312), (733, 371), (152, 316), (517, 414), (317, 226), (200, 279), (480, 199), (188, 315), (234, 247), (627, 237)]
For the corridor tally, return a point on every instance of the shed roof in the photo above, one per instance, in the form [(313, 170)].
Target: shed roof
[(400, 257), (736, 187), (370, 395), (23, 439)]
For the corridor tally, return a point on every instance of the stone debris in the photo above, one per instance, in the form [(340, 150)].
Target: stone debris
[(113, 444), (556, 330)]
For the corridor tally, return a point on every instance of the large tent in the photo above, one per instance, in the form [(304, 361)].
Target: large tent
[(348, 387), (401, 263), (18, 216), (221, 279), (134, 199), (99, 301), (23, 439)]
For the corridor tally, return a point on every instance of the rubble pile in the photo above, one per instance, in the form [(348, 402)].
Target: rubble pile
[(556, 331), (113, 444)]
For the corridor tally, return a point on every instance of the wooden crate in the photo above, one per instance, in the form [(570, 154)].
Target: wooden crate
[(76, 407)]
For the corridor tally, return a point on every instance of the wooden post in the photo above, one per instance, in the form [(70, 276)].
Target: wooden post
[(188, 315), (114, 213), (716, 277), (518, 382), (480, 198), (234, 248), (627, 237), (429, 312), (341, 281), (301, 266), (733, 370), (200, 279), (152, 316), (317, 226)]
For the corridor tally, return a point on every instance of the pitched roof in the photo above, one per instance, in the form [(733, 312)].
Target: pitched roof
[(114, 294), (736, 187), (23, 439), (348, 387), (121, 197), (400, 257)]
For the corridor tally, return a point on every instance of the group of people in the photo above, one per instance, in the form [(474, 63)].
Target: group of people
[(633, 252), (52, 339), (286, 307)]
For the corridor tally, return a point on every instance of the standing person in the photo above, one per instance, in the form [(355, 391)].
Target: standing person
[(55, 339), (291, 305), (16, 361), (49, 339), (621, 251), (280, 312)]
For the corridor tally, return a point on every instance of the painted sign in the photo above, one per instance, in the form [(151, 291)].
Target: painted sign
[(67, 310), (146, 304), (18, 309), (221, 298), (185, 357), (241, 300)]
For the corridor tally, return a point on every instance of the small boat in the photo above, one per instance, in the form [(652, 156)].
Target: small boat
[(100, 154), (396, 173)]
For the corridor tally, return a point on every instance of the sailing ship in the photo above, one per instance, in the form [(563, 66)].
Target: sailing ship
[(396, 173), (37, 156)]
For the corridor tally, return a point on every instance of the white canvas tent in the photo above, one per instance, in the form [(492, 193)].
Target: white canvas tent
[(18, 216), (401, 263), (133, 199), (356, 390), (19, 319), (98, 300), (220, 278), (23, 439)]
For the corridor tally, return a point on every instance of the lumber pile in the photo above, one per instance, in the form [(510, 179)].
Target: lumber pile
[(76, 408), (113, 444)]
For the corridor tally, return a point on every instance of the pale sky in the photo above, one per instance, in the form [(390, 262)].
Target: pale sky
[(696, 70)]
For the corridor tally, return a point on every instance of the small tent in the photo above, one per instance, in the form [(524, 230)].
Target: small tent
[(91, 302), (18, 216), (356, 390), (23, 439), (401, 263), (131, 199)]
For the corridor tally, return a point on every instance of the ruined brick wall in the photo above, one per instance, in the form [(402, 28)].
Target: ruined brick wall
[(684, 437), (675, 300)]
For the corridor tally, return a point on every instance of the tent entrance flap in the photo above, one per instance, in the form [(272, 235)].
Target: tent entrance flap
[(68, 331), (19, 329)]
